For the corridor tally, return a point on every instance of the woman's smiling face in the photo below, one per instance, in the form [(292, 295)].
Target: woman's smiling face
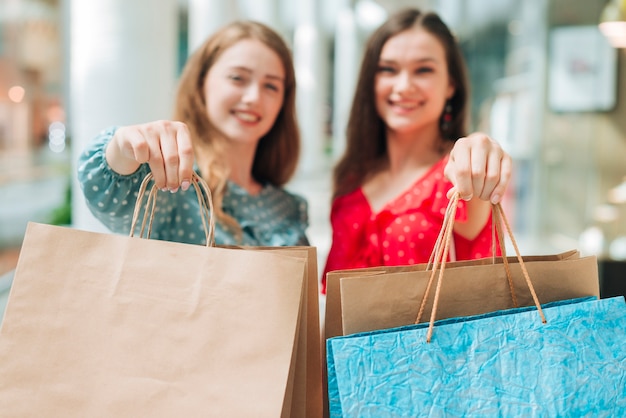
[(412, 82), (244, 91)]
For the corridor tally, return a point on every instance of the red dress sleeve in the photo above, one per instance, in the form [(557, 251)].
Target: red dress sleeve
[(349, 214)]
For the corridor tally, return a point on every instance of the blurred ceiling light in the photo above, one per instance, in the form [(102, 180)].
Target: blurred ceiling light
[(613, 23), (617, 194), (16, 94), (605, 213), (591, 241), (370, 14), (617, 249)]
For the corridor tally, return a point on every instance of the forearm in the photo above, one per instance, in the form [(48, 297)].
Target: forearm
[(478, 213)]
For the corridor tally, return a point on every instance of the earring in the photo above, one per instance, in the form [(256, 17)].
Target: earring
[(446, 118)]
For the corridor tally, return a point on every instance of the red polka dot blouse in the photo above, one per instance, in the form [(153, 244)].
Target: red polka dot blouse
[(403, 232)]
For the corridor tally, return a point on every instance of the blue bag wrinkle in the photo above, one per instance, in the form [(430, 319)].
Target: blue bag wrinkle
[(505, 363)]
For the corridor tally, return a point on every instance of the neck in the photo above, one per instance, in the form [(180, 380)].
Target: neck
[(410, 151), (240, 158)]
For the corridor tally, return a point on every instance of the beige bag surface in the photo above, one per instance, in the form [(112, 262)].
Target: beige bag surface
[(393, 299), (308, 390), (334, 315), (386, 297), (102, 325)]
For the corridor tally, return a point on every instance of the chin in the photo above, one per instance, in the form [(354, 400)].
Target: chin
[(402, 128), (246, 138)]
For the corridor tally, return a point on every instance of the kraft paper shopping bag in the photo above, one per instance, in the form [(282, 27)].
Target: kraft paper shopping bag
[(333, 325), (387, 297), (304, 397), (308, 391), (108, 325), (391, 300)]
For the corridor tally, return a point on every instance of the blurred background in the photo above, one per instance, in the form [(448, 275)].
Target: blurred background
[(547, 83)]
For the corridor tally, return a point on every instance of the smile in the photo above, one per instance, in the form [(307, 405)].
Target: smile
[(403, 106), (247, 116)]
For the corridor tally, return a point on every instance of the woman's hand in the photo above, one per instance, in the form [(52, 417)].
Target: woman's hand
[(166, 147), (478, 167)]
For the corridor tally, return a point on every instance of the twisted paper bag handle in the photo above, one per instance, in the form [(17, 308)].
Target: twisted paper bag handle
[(441, 254), (205, 202)]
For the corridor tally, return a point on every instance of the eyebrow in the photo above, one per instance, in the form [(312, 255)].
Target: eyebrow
[(418, 61), (249, 71)]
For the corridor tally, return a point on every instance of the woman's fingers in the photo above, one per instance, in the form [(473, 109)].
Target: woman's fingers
[(459, 169), (127, 151), (478, 167), (165, 146), (185, 155), (499, 181), (167, 139)]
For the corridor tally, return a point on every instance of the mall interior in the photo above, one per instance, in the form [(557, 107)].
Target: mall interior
[(547, 83)]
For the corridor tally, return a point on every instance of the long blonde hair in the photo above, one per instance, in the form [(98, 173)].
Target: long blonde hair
[(277, 153)]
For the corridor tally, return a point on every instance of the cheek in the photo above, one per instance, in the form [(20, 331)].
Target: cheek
[(213, 109), (442, 95), (429, 87), (439, 88), (382, 90), (219, 101), (382, 87), (209, 99), (274, 105)]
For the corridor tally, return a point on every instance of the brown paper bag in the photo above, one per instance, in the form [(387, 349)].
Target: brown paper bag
[(307, 391), (107, 325), (333, 324), (393, 299), (389, 300)]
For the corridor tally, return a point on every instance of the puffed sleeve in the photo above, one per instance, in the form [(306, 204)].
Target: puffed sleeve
[(110, 196)]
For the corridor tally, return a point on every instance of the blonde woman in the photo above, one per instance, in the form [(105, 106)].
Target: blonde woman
[(235, 125)]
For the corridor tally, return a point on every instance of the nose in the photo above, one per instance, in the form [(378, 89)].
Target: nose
[(251, 93), (404, 82)]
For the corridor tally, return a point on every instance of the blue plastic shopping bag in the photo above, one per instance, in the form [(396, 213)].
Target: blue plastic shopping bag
[(506, 363)]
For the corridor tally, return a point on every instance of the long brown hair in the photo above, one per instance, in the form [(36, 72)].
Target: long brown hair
[(366, 147), (277, 153)]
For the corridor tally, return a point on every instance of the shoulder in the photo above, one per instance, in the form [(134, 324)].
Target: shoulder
[(275, 193), (272, 201), (273, 217), (354, 198), (352, 205)]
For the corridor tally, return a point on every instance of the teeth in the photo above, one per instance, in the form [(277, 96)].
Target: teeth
[(405, 106), (247, 117)]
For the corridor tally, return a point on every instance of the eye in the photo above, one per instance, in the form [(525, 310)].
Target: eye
[(424, 70), (272, 86), (386, 69), (237, 78)]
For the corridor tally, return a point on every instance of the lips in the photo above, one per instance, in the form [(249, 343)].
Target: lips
[(248, 117), (403, 106)]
